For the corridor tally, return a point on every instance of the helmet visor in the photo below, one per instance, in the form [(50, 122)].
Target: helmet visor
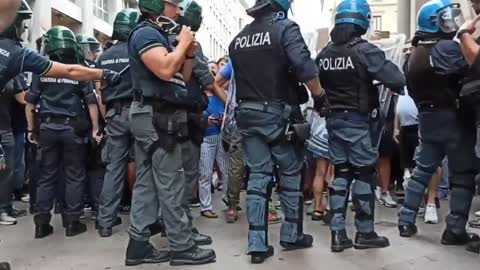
[(450, 18)]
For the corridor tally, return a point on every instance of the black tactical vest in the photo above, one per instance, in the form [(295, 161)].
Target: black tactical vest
[(116, 58), (428, 88), (260, 64), (61, 97), (173, 91), (345, 79)]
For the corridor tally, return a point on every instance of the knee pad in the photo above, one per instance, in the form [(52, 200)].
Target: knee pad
[(365, 174), (344, 170)]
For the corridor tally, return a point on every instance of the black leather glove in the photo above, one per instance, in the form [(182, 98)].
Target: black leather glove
[(321, 105), (111, 78)]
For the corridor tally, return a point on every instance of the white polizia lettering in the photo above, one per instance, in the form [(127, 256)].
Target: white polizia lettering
[(254, 40), (339, 63)]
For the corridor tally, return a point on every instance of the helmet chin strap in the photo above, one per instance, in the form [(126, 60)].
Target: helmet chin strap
[(167, 24)]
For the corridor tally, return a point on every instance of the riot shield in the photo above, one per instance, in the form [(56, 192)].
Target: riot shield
[(393, 48)]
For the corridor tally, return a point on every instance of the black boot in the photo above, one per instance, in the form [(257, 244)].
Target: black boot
[(105, 231), (43, 230), (4, 266), (370, 240), (260, 257), (407, 230), (451, 239), (74, 228), (305, 241), (192, 256), (139, 252), (58, 208), (474, 247), (340, 241), (201, 239), (42, 226)]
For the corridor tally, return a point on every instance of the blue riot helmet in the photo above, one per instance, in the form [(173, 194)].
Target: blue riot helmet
[(285, 5), (440, 16), (354, 12)]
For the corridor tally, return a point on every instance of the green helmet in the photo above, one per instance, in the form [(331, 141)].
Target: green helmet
[(124, 23), (16, 29), (191, 14), (59, 43), (89, 47), (155, 6)]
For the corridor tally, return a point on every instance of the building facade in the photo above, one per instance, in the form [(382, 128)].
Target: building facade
[(92, 17), (222, 21)]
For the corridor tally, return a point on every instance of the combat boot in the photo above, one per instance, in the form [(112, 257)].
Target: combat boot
[(201, 239), (74, 228), (451, 239), (305, 241), (370, 240), (192, 256), (4, 266), (260, 257), (474, 247), (42, 226), (340, 241), (407, 230), (139, 252)]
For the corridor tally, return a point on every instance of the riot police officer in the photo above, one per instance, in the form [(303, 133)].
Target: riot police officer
[(158, 117), (348, 65), (446, 126), (62, 134), (89, 49), (202, 79), (117, 101), (267, 99), (14, 59)]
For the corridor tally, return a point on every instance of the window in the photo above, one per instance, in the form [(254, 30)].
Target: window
[(100, 9), (377, 23)]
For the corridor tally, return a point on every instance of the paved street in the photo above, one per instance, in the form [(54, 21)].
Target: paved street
[(88, 251)]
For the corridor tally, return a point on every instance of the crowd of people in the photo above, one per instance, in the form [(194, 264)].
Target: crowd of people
[(148, 126)]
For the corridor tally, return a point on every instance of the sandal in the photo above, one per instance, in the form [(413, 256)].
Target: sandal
[(209, 214), (318, 215)]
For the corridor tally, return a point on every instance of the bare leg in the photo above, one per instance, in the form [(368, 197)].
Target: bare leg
[(384, 173), (319, 183), (433, 186)]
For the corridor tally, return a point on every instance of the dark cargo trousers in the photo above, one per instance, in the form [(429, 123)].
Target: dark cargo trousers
[(115, 155), (352, 152), (160, 183), (262, 127), (442, 134), (66, 148)]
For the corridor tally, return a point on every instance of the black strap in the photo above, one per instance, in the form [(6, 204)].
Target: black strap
[(258, 193), (293, 220), (362, 216), (290, 189), (257, 228), (334, 192), (362, 197)]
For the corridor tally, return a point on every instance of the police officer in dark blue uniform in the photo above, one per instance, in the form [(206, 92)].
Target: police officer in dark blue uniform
[(62, 134), (267, 101), (117, 100), (446, 123), (159, 123), (348, 66), (14, 59)]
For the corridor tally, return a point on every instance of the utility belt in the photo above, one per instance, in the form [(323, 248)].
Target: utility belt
[(296, 132), (80, 125), (175, 125), (431, 107), (119, 104)]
